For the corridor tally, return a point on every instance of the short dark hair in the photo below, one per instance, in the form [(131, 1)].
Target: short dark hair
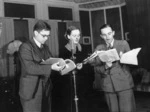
[(41, 25), (105, 26)]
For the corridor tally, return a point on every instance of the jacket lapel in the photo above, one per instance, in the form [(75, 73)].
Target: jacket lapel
[(36, 49), (115, 44)]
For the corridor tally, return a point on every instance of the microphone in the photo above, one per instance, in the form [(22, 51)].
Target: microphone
[(72, 50), (72, 44)]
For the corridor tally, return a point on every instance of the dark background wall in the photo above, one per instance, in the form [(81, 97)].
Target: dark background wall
[(139, 27), (139, 24)]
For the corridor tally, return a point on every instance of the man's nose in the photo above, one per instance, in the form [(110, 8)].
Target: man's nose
[(107, 37)]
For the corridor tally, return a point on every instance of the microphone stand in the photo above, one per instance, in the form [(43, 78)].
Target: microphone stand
[(74, 83), (85, 61), (75, 90)]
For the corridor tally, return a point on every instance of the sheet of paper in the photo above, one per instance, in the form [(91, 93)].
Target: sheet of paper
[(53, 60), (130, 57), (109, 55), (70, 65)]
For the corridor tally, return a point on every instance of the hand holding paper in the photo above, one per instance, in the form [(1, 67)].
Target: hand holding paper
[(108, 56), (108, 65), (69, 66), (63, 66), (111, 55), (56, 67), (79, 66), (121, 53)]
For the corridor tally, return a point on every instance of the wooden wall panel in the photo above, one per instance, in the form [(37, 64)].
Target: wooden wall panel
[(113, 18), (97, 22)]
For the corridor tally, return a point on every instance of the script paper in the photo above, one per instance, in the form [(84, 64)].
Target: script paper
[(66, 65), (108, 56), (130, 57), (53, 60), (70, 65)]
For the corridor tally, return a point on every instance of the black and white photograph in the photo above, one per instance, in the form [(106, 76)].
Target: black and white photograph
[(74, 56)]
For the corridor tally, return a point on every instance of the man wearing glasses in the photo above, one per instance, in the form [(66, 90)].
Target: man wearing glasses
[(116, 80), (33, 73)]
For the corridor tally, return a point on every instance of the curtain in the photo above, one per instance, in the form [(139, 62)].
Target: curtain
[(53, 40), (6, 36), (31, 23)]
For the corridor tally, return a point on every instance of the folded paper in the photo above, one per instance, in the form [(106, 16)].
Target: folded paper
[(65, 65), (111, 55), (53, 60), (69, 66), (130, 57)]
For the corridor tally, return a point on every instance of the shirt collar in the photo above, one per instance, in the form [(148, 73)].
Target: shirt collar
[(112, 43), (37, 43)]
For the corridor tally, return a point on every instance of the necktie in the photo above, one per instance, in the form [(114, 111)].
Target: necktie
[(110, 46), (41, 47), (42, 50)]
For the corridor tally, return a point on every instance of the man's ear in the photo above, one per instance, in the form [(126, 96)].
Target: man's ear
[(68, 36), (101, 36), (35, 33), (113, 33)]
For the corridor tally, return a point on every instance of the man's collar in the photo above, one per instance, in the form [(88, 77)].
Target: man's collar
[(37, 43), (112, 43)]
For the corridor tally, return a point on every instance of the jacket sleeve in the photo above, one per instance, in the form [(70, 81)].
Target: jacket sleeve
[(96, 61), (29, 64), (127, 47)]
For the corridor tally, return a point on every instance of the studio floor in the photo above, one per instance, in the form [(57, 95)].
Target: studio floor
[(94, 103), (142, 101)]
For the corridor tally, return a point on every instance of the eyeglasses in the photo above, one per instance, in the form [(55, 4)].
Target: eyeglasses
[(75, 35), (44, 35)]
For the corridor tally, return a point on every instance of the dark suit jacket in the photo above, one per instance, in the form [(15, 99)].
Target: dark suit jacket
[(118, 77), (31, 69)]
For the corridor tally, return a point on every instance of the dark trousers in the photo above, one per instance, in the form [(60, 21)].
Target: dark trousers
[(122, 101)]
